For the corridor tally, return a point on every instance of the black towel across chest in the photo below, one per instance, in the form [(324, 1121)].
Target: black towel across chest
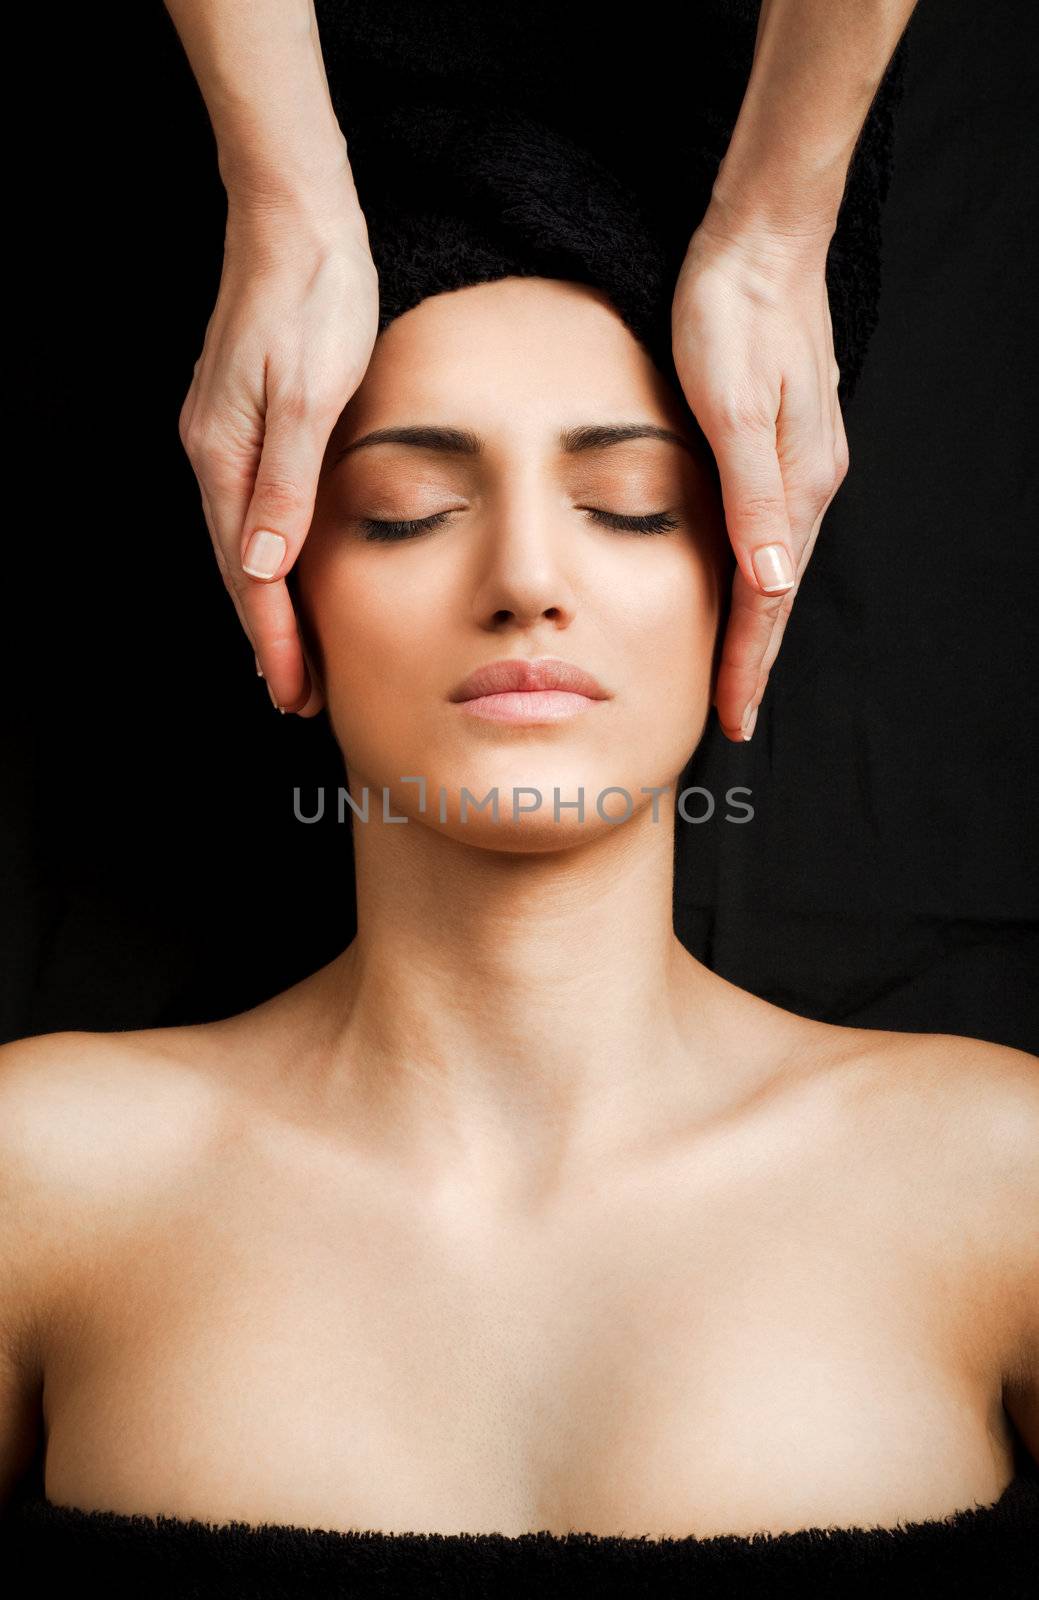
[(986, 1554)]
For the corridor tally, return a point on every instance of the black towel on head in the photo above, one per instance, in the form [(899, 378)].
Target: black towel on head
[(532, 139), (512, 198)]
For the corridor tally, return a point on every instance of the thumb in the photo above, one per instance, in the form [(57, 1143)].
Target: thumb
[(282, 505), (756, 515)]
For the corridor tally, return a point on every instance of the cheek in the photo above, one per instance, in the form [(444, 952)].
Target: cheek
[(670, 620), (380, 644)]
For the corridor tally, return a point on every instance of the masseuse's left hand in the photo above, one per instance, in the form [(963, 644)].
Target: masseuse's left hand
[(753, 349)]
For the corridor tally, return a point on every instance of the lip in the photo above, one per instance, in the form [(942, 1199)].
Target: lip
[(529, 675), (528, 689)]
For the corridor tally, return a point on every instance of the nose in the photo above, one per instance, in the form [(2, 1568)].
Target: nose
[(523, 577)]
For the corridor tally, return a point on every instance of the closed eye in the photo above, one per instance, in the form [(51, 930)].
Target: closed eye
[(652, 522)]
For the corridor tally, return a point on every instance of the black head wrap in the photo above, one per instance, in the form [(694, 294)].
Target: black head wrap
[(514, 198), (525, 139)]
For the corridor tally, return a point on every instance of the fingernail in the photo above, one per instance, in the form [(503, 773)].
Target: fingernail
[(750, 717), (264, 554), (772, 568), (274, 702), (259, 669)]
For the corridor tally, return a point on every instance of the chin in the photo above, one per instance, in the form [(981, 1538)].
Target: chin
[(524, 787)]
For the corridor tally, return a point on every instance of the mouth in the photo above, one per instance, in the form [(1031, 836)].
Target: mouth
[(528, 690)]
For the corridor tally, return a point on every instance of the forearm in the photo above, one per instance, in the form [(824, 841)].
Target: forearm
[(259, 66), (817, 65)]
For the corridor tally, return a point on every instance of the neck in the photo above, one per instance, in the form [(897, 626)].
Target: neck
[(517, 1013)]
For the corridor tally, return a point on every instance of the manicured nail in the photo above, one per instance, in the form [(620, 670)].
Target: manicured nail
[(772, 568), (259, 669), (264, 554), (274, 702), (750, 717)]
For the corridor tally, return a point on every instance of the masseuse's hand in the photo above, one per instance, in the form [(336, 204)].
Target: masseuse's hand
[(288, 343), (753, 349)]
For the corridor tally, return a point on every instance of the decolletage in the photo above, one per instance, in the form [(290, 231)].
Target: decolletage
[(989, 1553)]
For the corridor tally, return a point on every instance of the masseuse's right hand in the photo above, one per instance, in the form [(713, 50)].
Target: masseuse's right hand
[(287, 345)]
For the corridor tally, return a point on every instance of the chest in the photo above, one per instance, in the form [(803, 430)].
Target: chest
[(763, 1347)]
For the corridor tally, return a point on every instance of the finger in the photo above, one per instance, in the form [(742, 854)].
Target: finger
[(271, 617), (783, 614), (266, 616), (274, 619), (755, 502), (735, 721), (841, 454), (315, 701), (222, 565), (751, 623), (275, 524), (224, 470), (807, 461), (841, 463)]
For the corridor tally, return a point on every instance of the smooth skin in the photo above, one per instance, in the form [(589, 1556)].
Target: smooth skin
[(297, 311), (515, 1216)]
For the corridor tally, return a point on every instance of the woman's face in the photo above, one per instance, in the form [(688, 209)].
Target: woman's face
[(516, 386)]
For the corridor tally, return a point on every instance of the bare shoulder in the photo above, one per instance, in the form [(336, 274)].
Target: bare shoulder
[(94, 1126), (985, 1100), (978, 1102), (90, 1124), (95, 1129), (949, 1106), (959, 1120), (82, 1111)]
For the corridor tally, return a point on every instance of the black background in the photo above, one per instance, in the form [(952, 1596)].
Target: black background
[(155, 873)]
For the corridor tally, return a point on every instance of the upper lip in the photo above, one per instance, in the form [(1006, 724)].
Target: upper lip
[(529, 673)]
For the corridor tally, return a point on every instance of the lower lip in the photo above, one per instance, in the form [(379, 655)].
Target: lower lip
[(531, 706)]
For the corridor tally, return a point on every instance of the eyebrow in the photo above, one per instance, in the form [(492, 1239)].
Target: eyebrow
[(462, 442)]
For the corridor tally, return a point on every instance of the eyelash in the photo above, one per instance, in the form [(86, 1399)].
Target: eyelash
[(653, 522)]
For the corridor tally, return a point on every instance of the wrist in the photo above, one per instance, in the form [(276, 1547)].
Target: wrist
[(795, 197), (316, 176), (741, 222), (268, 230), (314, 200)]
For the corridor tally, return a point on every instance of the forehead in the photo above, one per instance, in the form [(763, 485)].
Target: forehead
[(516, 355)]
